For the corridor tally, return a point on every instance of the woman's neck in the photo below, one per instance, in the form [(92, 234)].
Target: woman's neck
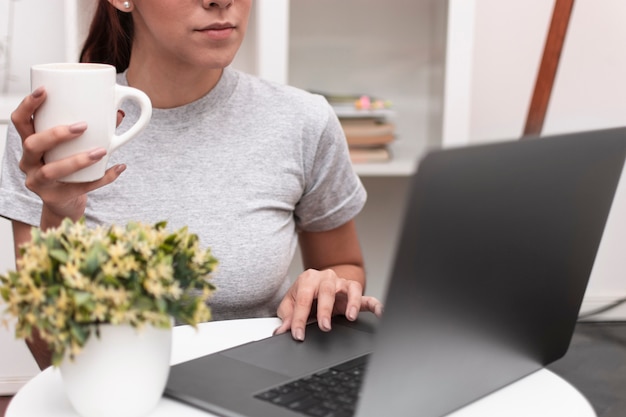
[(169, 88)]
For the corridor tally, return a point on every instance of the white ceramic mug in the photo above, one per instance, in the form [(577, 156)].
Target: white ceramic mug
[(82, 92)]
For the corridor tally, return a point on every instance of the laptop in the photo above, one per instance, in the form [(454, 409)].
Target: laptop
[(497, 246)]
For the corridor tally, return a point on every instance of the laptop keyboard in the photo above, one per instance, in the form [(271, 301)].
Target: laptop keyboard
[(333, 392)]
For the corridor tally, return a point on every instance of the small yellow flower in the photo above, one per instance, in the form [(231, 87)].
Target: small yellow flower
[(165, 271), (109, 269), (117, 316), (206, 292), (62, 300), (76, 255), (36, 258), (25, 279), (143, 248), (99, 312), (174, 290), (130, 316), (36, 295), (117, 296), (30, 318), (99, 292), (75, 348), (118, 250), (129, 264), (154, 287), (72, 276), (22, 333), (48, 311), (59, 320)]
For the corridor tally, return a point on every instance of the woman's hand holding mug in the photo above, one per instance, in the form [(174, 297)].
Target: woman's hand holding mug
[(67, 126), (85, 93)]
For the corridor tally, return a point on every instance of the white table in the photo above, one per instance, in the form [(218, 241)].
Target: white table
[(540, 394)]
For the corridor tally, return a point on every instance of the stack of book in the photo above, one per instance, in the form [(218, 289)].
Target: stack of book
[(368, 137), (369, 127)]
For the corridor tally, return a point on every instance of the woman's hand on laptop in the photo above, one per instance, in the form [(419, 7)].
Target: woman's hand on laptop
[(324, 294)]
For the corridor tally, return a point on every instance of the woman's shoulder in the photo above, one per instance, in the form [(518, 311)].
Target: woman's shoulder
[(281, 96)]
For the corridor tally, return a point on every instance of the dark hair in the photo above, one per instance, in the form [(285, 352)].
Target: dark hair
[(110, 37)]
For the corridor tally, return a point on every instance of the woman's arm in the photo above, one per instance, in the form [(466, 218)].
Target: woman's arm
[(337, 249), (21, 234), (333, 281), (38, 348)]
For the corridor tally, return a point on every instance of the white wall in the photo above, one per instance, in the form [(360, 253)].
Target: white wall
[(17, 365), (590, 93), (43, 43), (503, 56)]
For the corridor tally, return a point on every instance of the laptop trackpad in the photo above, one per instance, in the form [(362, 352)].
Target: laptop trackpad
[(283, 355)]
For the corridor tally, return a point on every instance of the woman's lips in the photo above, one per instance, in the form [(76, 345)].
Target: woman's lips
[(218, 32)]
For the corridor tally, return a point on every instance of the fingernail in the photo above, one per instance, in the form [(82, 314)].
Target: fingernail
[(38, 92), (78, 127), (326, 324), (97, 154), (353, 313), (120, 168), (298, 334)]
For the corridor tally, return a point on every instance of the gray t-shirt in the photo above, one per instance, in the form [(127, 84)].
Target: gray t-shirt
[(245, 167)]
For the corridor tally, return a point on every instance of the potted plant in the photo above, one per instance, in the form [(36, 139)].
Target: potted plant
[(105, 299)]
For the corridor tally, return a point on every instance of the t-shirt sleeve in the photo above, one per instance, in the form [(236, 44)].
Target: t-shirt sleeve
[(16, 201), (333, 192)]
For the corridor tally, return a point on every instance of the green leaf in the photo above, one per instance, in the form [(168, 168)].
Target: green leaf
[(82, 297), (144, 303), (59, 255), (57, 357), (96, 256), (79, 333), (161, 305), (5, 293)]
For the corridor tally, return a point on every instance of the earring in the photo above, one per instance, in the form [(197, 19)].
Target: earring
[(126, 5)]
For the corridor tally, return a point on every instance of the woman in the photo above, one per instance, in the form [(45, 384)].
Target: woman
[(252, 167)]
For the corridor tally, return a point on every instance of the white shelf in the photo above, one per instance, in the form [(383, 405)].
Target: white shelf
[(404, 158), (348, 111), (390, 53)]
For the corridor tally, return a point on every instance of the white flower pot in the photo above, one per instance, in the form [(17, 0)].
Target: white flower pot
[(123, 373)]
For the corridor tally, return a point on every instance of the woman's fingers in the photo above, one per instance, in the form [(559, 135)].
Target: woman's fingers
[(22, 116), (327, 291), (355, 296), (372, 305), (35, 145), (327, 294), (53, 171), (120, 117)]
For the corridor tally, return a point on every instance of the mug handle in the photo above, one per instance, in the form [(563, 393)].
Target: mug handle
[(122, 93)]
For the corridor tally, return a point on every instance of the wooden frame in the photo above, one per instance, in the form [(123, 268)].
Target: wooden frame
[(548, 67)]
